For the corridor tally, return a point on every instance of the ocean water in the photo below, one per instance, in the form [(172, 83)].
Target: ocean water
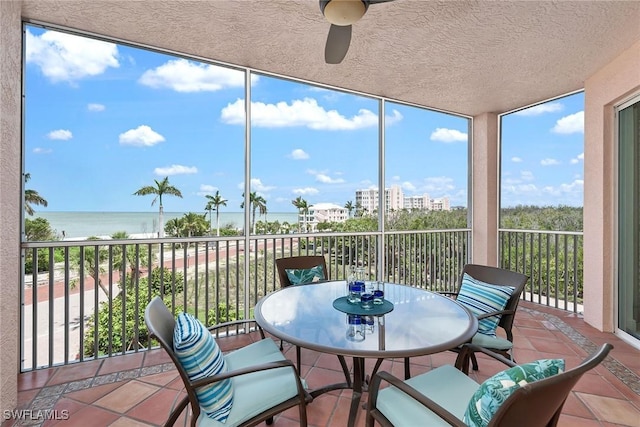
[(74, 225)]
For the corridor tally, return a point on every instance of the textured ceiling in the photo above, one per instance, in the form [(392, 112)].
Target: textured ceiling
[(468, 57)]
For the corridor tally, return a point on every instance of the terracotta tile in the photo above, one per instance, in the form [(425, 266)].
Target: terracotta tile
[(25, 397), (76, 371), (121, 363), (124, 398), (90, 416), (127, 422), (156, 357), (331, 361), (35, 379), (576, 407), (65, 407), (615, 411), (94, 393), (596, 385), (572, 421), (157, 407), (160, 379), (319, 377), (608, 402)]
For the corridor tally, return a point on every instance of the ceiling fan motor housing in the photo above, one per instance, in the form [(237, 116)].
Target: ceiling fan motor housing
[(343, 12)]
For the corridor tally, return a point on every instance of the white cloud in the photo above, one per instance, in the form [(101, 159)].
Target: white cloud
[(96, 107), (307, 191), (541, 109), (408, 186), (448, 135), (206, 189), (577, 159), (60, 134), (301, 113), (516, 160), (549, 162), (438, 185), (175, 170), (142, 136), (577, 186), (299, 154), (527, 176), (573, 123), (65, 57), (182, 75), (396, 178), (39, 150), (326, 179), (257, 185)]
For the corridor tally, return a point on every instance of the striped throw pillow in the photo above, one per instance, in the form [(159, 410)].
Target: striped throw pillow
[(482, 298), (200, 356)]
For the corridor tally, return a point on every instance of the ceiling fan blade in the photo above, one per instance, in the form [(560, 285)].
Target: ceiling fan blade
[(337, 45)]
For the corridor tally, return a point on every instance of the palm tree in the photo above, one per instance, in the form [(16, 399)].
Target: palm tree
[(193, 224), (161, 188), (350, 207), (31, 197), (214, 204), (303, 209), (255, 202), (359, 209)]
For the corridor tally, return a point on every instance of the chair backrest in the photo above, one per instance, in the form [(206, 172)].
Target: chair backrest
[(542, 401), (303, 261), (161, 323), (502, 277)]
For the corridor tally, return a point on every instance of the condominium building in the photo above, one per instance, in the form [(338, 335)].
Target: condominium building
[(324, 212), (396, 200)]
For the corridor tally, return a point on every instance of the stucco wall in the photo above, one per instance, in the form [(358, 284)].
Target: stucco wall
[(608, 87), (484, 170), (10, 118)]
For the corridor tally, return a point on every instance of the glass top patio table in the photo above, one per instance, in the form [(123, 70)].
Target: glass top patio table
[(421, 322)]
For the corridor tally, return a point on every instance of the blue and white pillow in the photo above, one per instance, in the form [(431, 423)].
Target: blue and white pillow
[(482, 298), (492, 393), (300, 276), (200, 356)]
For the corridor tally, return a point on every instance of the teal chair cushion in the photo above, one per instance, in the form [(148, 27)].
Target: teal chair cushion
[(488, 341), (256, 392), (494, 391), (445, 385), (200, 356), (482, 298), (300, 276)]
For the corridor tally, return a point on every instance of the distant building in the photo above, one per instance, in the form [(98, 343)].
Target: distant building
[(395, 201), (324, 212)]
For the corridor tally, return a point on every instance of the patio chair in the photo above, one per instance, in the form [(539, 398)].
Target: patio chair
[(254, 383), (495, 277), (310, 269), (530, 395)]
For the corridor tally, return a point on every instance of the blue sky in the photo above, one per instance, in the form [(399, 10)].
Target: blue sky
[(103, 120)]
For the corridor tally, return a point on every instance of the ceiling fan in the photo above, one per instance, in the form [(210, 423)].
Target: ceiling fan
[(342, 14)]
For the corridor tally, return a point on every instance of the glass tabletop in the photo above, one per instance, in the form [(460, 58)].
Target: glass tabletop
[(420, 323)]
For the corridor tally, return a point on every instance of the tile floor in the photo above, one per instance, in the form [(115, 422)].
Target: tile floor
[(139, 389)]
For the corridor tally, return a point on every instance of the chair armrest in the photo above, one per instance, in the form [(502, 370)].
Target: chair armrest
[(247, 370), (227, 325), (413, 393), (495, 313), (471, 348), (447, 293)]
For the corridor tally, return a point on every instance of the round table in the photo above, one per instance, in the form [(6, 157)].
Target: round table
[(421, 323)]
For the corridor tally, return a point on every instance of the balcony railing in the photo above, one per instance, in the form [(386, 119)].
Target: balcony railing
[(553, 260), (88, 299)]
